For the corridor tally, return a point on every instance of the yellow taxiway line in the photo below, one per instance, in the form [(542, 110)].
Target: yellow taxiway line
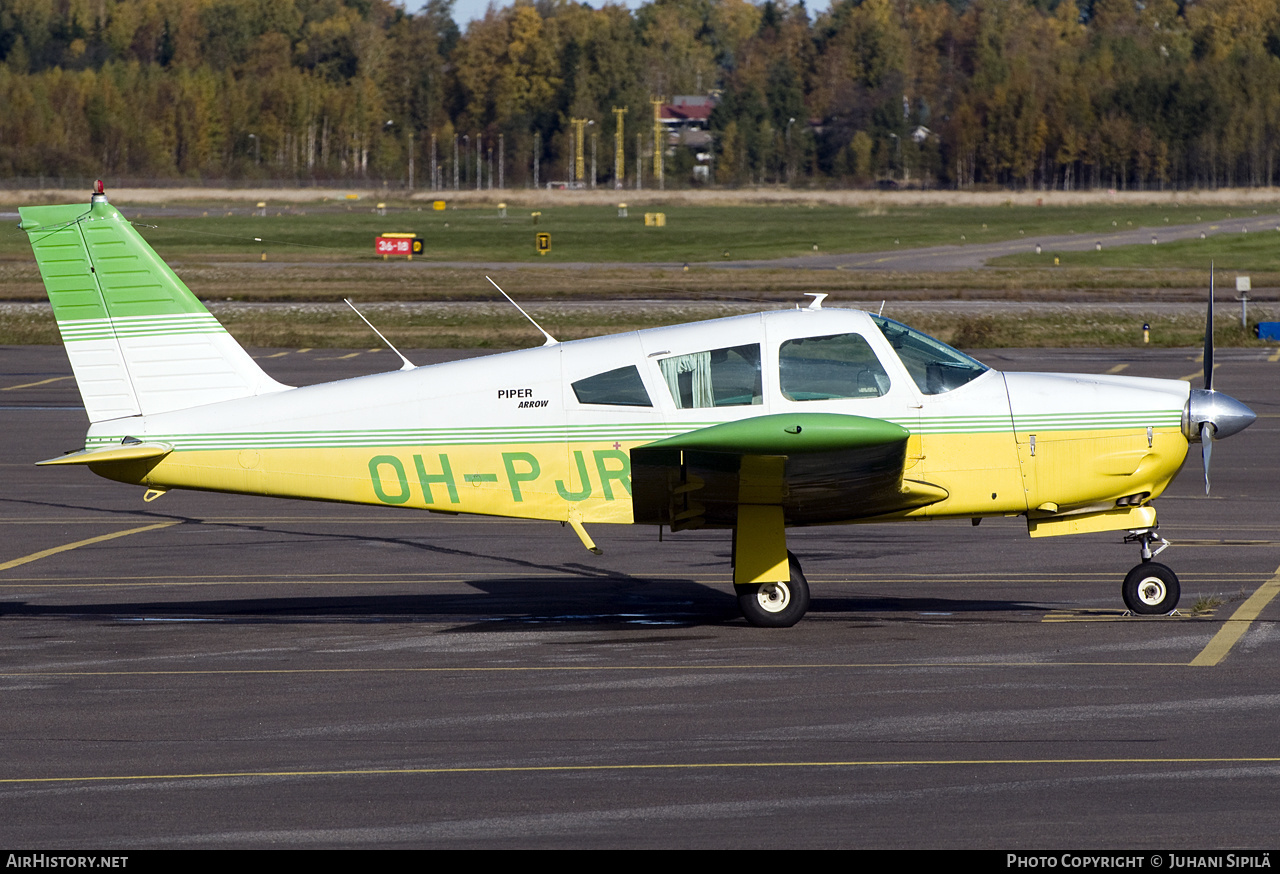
[(674, 766), (34, 384), (45, 553), (1235, 627), (1191, 377)]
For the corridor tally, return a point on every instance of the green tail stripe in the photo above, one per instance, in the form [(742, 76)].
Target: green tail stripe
[(140, 326), (97, 267)]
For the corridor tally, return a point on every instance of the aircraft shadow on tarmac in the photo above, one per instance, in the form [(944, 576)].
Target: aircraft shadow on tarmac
[(561, 594), (549, 603)]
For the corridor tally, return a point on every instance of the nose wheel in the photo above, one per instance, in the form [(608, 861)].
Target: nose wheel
[(1151, 589)]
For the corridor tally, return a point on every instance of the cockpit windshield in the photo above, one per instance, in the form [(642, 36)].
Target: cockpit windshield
[(935, 366)]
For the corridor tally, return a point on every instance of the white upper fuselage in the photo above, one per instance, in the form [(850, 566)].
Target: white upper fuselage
[(966, 438), (533, 388)]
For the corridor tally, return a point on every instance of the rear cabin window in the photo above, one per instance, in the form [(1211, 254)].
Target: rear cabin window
[(620, 388), (716, 378), (837, 366)]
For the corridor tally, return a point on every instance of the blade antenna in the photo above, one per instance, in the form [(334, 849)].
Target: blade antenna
[(551, 341), (408, 365)]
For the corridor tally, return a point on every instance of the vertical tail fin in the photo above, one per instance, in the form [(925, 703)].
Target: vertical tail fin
[(139, 341)]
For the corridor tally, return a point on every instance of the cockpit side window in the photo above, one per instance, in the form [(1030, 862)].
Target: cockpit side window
[(716, 378), (622, 387), (836, 366), (935, 367)]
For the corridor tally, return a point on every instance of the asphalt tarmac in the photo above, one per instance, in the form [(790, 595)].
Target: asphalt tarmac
[(211, 671)]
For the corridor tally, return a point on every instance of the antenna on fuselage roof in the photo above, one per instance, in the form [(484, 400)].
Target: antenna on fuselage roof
[(881, 311), (408, 365), (818, 298), (551, 341)]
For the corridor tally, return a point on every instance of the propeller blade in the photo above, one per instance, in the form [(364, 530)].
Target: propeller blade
[(1206, 449), (1208, 337)]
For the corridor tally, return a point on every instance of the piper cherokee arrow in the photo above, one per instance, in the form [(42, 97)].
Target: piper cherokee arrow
[(756, 423)]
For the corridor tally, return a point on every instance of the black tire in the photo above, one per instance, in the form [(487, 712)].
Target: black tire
[(1151, 589), (776, 605)]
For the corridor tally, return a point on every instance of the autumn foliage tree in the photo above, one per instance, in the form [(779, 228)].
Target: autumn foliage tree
[(955, 93)]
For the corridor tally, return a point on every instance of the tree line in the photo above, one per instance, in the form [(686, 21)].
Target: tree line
[(1056, 94)]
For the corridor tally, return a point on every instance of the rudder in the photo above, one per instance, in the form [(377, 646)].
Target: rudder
[(139, 341)]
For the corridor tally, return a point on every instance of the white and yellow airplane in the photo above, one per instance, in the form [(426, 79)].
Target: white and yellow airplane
[(756, 423)]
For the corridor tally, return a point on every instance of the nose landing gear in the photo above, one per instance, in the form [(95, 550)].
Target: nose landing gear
[(1150, 589)]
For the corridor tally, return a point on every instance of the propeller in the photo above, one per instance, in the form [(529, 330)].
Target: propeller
[(1207, 428), (1211, 415)]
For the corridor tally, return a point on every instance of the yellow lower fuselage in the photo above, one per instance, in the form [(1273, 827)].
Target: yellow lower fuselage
[(985, 474)]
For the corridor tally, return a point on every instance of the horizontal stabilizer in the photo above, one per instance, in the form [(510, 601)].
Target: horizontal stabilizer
[(108, 454)]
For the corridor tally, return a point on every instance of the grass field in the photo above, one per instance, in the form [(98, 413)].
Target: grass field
[(595, 234), (324, 252), (1255, 253), (498, 326)]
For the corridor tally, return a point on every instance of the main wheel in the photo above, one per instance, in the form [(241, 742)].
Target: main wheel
[(1151, 589), (776, 605)]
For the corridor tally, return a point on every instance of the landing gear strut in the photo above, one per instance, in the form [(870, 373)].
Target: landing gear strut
[(1150, 589), (776, 605)]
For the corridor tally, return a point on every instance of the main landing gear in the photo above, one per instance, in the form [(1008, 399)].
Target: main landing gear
[(776, 605), (1150, 589)]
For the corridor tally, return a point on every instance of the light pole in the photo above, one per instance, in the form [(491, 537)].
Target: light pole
[(791, 176), (619, 156), (390, 123), (659, 146), (579, 147)]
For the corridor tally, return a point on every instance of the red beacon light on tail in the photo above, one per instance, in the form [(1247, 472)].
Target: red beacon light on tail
[(99, 192)]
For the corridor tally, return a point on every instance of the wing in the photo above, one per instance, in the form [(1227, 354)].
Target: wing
[(818, 467)]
